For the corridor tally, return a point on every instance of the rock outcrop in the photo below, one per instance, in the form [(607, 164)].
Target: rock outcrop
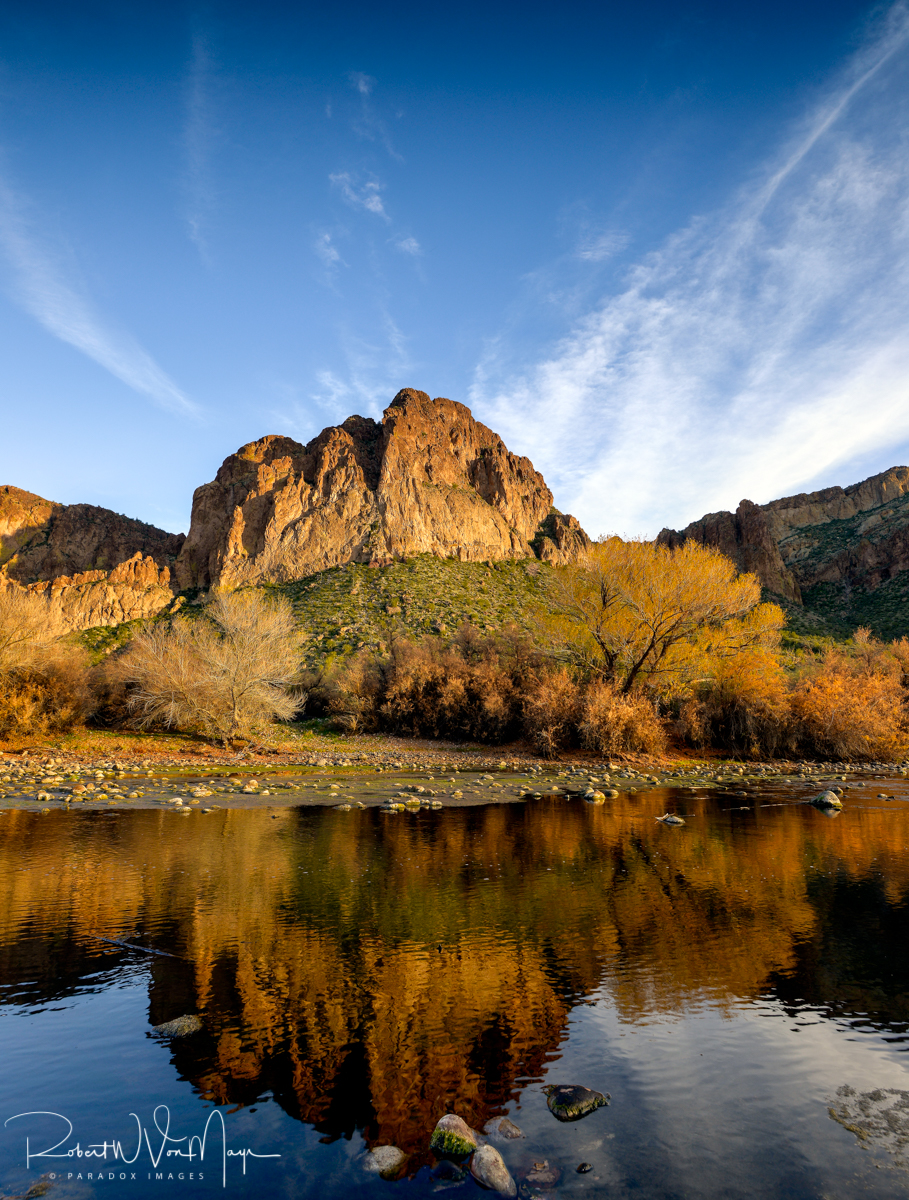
[(427, 479), (91, 566), (43, 540), (857, 536), (133, 590), (744, 536)]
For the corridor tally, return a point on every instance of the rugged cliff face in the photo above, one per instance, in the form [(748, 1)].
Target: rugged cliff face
[(91, 566), (855, 538), (744, 536), (42, 540), (428, 478)]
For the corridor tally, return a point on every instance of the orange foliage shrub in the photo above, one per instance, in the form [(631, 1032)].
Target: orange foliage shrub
[(552, 709), (473, 688), (854, 706), (611, 723), (744, 708), (49, 694)]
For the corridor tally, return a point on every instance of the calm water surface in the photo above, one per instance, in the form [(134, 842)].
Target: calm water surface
[(358, 974)]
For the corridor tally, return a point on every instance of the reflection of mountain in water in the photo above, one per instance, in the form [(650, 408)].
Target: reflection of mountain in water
[(374, 971)]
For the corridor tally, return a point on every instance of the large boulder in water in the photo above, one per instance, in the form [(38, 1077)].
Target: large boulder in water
[(488, 1168), (385, 1161), (568, 1102)]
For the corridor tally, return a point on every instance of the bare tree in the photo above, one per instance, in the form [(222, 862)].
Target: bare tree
[(222, 673)]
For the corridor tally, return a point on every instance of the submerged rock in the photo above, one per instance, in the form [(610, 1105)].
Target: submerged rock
[(488, 1168), (569, 1102), (543, 1175), (670, 819), (385, 1161), (452, 1135), (503, 1128), (446, 1171), (828, 799), (179, 1027)]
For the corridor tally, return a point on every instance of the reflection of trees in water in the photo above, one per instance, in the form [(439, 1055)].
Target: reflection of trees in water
[(361, 968)]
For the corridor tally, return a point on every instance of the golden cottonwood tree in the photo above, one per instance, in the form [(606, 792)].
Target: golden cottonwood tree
[(638, 614), (222, 673)]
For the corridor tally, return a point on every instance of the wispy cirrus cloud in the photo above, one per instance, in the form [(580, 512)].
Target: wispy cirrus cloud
[(366, 195), (601, 246), (368, 123), (199, 133), (363, 83), (39, 286), (367, 374), (761, 347), (327, 251)]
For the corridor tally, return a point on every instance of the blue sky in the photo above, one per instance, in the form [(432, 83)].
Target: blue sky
[(662, 249)]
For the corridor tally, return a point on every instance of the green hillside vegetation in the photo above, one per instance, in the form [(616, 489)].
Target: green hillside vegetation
[(358, 607), (885, 610)]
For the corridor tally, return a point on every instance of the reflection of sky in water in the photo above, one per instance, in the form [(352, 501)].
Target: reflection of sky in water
[(682, 971)]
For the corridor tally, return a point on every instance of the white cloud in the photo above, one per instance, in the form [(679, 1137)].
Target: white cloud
[(363, 83), (409, 245), (326, 250), (365, 196), (599, 247), (759, 348), (371, 372), (40, 287)]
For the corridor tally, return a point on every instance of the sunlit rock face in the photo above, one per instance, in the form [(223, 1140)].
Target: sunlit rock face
[(856, 536), (427, 479)]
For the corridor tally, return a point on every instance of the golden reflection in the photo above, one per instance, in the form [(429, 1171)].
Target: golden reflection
[(375, 970)]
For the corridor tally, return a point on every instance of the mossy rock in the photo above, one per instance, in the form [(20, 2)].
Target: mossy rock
[(568, 1102), (180, 1026), (828, 799), (453, 1136)]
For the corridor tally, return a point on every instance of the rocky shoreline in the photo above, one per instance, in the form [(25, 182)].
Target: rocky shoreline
[(45, 781)]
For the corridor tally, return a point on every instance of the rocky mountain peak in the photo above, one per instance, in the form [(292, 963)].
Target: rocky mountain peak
[(428, 478)]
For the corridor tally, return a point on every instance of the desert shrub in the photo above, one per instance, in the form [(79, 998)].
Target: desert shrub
[(110, 691), (223, 673), (853, 704), (612, 723), (489, 689), (44, 680), (23, 627), (743, 708), (552, 711), (472, 687), (49, 692)]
